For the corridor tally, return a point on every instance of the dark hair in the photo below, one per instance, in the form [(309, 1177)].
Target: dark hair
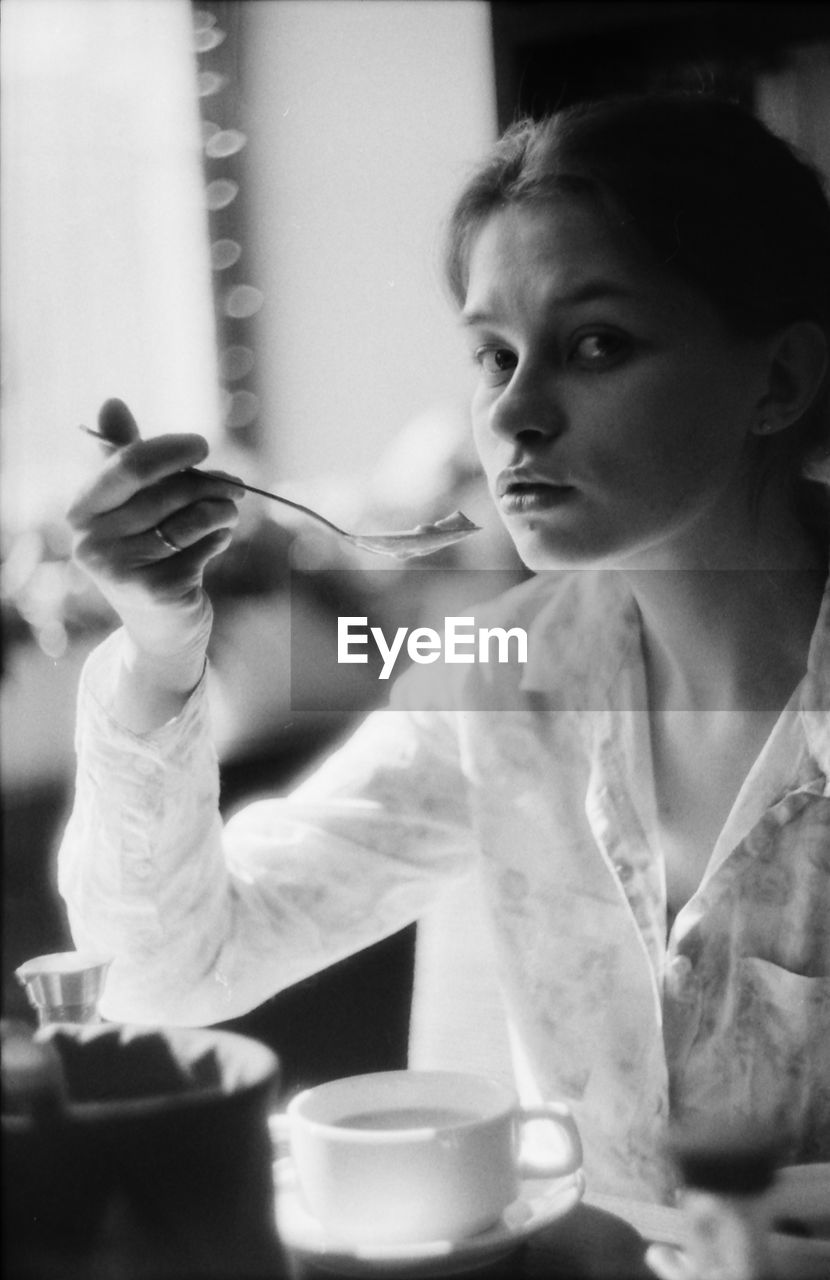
[(717, 197)]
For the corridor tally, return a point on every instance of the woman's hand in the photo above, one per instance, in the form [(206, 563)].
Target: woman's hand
[(144, 530)]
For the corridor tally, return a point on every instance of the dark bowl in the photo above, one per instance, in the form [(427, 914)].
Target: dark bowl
[(158, 1163)]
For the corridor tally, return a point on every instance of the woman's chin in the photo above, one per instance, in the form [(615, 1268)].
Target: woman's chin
[(539, 550)]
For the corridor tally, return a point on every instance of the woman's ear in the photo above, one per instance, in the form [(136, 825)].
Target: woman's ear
[(797, 365)]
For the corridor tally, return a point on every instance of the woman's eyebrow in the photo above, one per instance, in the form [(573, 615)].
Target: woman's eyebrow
[(591, 291), (595, 290)]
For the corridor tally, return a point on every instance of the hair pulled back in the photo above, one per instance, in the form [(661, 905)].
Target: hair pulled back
[(717, 197)]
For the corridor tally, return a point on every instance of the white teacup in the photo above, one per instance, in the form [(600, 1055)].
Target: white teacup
[(405, 1157)]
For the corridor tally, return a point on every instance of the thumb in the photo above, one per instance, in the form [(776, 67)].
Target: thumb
[(117, 423)]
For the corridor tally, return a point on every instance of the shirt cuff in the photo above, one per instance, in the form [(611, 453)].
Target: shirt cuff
[(99, 729)]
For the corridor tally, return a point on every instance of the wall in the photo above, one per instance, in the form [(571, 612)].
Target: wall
[(363, 119), (106, 277)]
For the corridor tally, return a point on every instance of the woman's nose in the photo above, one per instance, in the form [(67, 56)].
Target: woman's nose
[(530, 405)]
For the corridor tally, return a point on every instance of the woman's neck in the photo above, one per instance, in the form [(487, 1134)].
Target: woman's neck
[(731, 629), (727, 640)]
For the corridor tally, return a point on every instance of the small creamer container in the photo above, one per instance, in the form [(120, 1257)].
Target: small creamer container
[(64, 986)]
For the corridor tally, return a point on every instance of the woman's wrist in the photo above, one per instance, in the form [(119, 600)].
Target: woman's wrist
[(155, 678)]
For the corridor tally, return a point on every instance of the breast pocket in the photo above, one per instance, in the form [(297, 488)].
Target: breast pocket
[(781, 1043)]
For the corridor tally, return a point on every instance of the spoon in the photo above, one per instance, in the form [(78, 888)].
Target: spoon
[(403, 545)]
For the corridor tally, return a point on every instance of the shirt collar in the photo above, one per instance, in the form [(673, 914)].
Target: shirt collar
[(582, 637)]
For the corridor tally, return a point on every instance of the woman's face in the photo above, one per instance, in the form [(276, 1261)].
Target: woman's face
[(612, 406)]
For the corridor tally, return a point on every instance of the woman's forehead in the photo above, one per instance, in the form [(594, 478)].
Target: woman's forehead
[(570, 247)]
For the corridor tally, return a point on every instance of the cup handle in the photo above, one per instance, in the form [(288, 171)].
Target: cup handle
[(560, 1114)]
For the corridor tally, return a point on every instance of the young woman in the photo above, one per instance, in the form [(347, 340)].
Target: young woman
[(646, 289)]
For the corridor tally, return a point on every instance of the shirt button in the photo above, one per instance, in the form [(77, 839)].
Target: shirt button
[(624, 871), (144, 869)]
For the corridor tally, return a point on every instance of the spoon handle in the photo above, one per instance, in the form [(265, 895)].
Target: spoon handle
[(250, 488)]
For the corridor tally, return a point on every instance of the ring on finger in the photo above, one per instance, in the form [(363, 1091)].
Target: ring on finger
[(163, 538)]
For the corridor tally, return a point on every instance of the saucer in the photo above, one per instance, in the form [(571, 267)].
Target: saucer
[(540, 1202)]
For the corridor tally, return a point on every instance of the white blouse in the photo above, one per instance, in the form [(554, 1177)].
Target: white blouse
[(536, 779)]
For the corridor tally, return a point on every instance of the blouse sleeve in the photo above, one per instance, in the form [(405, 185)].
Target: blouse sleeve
[(205, 922)]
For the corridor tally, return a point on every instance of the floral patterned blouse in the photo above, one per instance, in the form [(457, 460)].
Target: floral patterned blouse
[(538, 779)]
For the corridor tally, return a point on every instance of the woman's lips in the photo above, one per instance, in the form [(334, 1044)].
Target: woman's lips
[(519, 494)]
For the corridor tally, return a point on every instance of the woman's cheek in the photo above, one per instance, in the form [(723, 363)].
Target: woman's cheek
[(483, 438)]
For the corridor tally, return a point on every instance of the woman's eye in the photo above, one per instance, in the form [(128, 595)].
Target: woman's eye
[(594, 349), (495, 362)]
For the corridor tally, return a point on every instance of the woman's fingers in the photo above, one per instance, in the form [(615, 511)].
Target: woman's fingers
[(161, 502), (101, 550), (172, 579), (188, 565), (133, 468), (189, 525)]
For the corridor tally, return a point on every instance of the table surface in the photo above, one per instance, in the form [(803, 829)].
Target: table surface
[(603, 1238)]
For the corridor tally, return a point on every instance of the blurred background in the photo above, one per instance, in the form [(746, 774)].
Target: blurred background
[(230, 214)]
